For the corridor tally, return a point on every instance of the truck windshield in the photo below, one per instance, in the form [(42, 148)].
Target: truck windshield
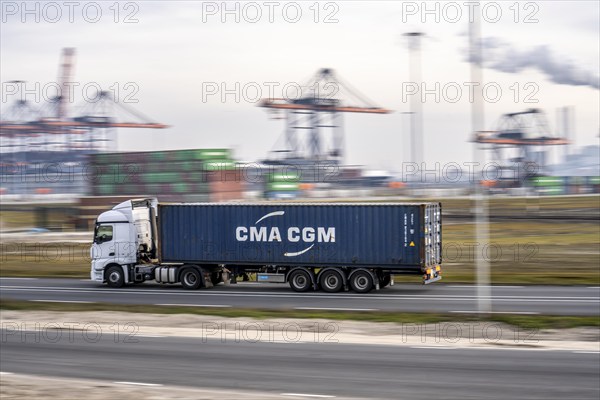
[(104, 233)]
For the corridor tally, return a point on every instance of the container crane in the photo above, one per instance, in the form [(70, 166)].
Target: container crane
[(319, 105), (519, 143), (24, 121)]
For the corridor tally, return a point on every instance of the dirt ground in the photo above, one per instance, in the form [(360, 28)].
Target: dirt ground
[(136, 326)]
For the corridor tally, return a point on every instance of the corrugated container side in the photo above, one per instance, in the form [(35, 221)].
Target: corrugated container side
[(387, 235)]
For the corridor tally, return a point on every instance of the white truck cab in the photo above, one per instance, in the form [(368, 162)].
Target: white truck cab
[(123, 237)]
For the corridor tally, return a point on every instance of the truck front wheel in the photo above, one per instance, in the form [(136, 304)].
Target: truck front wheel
[(190, 279), (300, 281), (115, 277)]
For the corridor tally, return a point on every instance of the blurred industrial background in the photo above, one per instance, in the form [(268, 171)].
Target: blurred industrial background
[(51, 157), (103, 102)]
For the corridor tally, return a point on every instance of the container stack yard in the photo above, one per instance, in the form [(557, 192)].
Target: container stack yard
[(282, 185), (179, 175), (49, 155), (564, 185)]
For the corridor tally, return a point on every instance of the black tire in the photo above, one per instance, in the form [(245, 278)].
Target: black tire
[(384, 280), (331, 281), (190, 279), (115, 277), (216, 277), (361, 282), (300, 281)]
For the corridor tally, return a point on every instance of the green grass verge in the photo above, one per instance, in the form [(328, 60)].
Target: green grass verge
[(521, 251), (524, 321)]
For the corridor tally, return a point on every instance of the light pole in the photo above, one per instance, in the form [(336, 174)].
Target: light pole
[(482, 266), (416, 106)]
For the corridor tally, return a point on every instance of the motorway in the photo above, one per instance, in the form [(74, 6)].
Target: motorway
[(555, 300), (313, 369)]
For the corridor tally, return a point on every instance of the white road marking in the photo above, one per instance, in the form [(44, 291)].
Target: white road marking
[(139, 384), (5, 373), (497, 312), (16, 278), (322, 396), (195, 305), (335, 309), (150, 336), (287, 341), (486, 286), (504, 348), (547, 299), (64, 301), (593, 287)]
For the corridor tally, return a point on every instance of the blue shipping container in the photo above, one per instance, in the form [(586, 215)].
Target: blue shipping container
[(392, 236)]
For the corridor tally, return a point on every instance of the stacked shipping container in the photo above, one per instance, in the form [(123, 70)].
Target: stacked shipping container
[(282, 185), (179, 175), (561, 185)]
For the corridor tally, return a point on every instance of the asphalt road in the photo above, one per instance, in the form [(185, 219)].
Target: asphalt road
[(556, 300), (321, 369)]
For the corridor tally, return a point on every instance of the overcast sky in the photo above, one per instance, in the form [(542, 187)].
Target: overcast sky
[(175, 49)]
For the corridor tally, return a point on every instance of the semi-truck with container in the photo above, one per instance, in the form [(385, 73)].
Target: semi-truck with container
[(311, 246)]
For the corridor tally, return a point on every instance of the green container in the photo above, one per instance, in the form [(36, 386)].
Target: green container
[(193, 176), (545, 181), (190, 166), (551, 190), (99, 159), (105, 190), (180, 187), (105, 158), (219, 165), (291, 176), (282, 186), (109, 179), (157, 156), (161, 177), (212, 154), (594, 180), (199, 188), (182, 155)]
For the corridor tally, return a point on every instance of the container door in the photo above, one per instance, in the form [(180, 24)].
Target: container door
[(433, 234)]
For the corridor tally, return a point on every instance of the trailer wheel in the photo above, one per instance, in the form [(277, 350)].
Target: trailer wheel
[(331, 281), (216, 277), (361, 281), (384, 280), (190, 279), (300, 281), (115, 277)]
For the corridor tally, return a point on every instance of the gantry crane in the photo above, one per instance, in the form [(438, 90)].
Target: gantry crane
[(519, 143), (23, 121), (318, 105)]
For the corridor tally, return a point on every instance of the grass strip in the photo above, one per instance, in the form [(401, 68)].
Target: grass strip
[(523, 321)]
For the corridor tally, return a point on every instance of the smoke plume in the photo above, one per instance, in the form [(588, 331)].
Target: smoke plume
[(503, 56)]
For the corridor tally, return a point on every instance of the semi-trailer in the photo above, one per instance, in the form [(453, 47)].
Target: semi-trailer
[(310, 246)]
